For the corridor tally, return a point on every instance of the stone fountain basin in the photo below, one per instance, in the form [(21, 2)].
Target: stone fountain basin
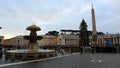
[(26, 51), (41, 53)]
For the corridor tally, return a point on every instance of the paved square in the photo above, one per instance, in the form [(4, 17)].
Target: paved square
[(86, 60)]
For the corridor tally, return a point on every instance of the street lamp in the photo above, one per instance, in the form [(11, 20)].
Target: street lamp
[(3, 51)]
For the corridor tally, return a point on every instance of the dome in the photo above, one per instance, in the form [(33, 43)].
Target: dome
[(33, 27)]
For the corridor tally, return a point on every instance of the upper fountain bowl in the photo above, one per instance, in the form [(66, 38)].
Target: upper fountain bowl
[(33, 27)]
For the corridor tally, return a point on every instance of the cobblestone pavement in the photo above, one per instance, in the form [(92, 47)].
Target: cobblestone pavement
[(86, 60)]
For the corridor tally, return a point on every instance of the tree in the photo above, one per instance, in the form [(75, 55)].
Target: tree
[(84, 36), (54, 33)]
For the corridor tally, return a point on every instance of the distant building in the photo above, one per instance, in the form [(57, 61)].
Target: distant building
[(48, 40), (16, 41), (71, 37), (99, 42), (6, 42), (68, 40), (112, 39)]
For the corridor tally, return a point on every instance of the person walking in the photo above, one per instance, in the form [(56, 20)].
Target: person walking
[(81, 50)]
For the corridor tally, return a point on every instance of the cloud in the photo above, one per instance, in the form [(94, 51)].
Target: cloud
[(52, 13), (113, 3), (46, 14)]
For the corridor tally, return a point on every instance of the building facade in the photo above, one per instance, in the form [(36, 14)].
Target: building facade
[(48, 40), (99, 42), (16, 41), (112, 39), (65, 40), (68, 40)]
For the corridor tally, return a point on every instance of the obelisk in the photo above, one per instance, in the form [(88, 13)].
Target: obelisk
[(94, 33)]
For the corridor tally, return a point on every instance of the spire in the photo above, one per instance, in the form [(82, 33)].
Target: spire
[(92, 5)]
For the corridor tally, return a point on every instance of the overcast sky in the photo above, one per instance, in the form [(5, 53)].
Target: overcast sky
[(16, 15)]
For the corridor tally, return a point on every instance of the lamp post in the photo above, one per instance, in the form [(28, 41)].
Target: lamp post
[(3, 55), (3, 51)]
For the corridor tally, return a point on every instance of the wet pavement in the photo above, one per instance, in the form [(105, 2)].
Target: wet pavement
[(8, 61), (86, 60)]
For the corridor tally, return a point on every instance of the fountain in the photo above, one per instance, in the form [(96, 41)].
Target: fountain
[(32, 50), (33, 45)]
